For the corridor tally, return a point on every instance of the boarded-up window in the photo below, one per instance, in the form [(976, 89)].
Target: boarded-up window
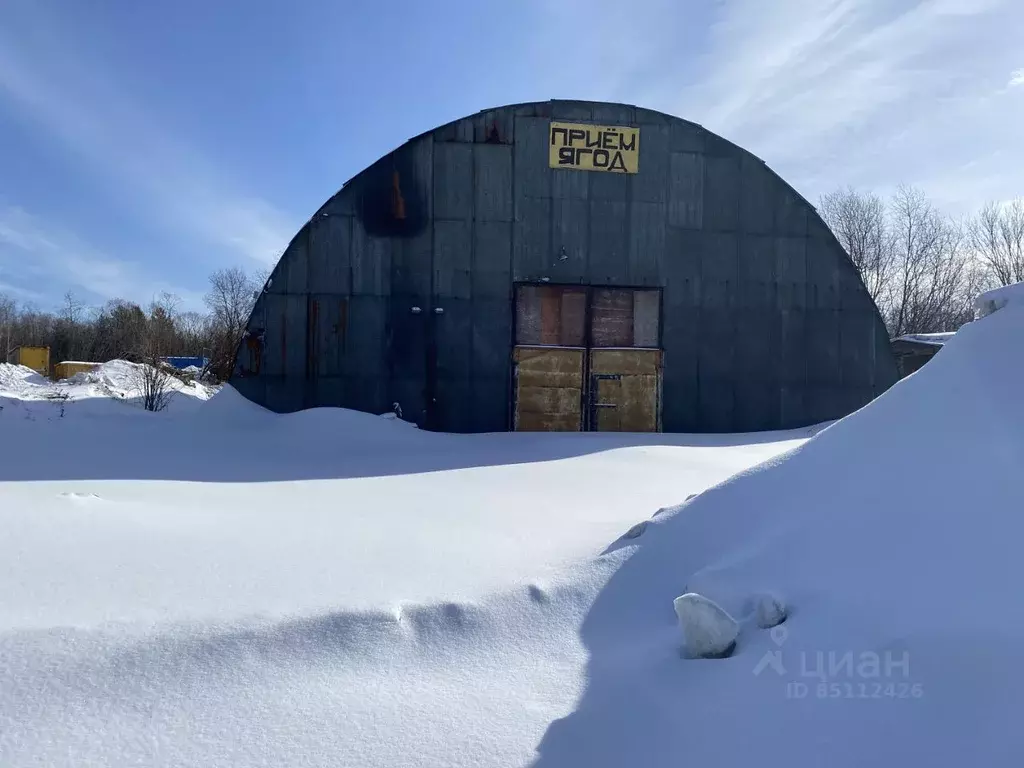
[(551, 315), (612, 318), (646, 317), (625, 318)]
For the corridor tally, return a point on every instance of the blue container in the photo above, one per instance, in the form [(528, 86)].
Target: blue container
[(184, 362)]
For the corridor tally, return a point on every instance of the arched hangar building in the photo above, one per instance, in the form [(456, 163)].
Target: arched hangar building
[(568, 265)]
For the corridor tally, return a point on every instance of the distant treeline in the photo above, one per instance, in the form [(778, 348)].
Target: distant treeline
[(125, 330)]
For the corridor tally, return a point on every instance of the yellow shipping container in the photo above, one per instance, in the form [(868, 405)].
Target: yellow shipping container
[(68, 369), (36, 358)]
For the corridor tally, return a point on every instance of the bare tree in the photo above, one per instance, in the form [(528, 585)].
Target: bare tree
[(932, 266), (859, 222), (915, 262), (231, 298), (997, 235), (8, 315)]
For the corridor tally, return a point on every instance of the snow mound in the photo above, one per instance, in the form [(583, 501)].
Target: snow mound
[(997, 298), (16, 380), (896, 535)]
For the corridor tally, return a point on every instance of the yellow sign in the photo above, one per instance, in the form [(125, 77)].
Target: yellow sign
[(594, 147)]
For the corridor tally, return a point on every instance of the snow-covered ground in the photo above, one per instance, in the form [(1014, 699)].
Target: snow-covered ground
[(219, 585), (225, 586)]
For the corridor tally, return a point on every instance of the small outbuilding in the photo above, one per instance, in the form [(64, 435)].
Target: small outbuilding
[(914, 350), (568, 265)]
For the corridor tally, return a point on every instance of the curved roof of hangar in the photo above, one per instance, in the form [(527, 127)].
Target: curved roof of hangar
[(548, 106)]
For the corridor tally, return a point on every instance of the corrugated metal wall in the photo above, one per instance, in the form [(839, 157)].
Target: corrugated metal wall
[(399, 290)]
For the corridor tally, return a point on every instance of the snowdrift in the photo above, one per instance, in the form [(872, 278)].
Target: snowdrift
[(364, 594), (894, 536)]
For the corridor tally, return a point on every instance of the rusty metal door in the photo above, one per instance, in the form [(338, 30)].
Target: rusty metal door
[(587, 359), (625, 390), (548, 389)]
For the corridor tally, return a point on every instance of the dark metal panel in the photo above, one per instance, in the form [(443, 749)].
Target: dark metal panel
[(791, 212), (453, 258), (407, 355), (716, 408), (792, 410), (791, 272), (721, 193), (680, 338), (411, 260), (610, 186), (289, 276), (531, 239), (531, 172), (371, 263), (612, 114), (491, 338), (327, 392), (490, 403), (823, 347), (681, 266), (571, 110), (330, 250), (716, 146), (252, 388), (495, 126), (284, 346), (569, 240), (717, 343), (756, 344), (686, 190), (757, 406), (822, 276), (791, 365), (367, 340), (757, 196), (453, 389), (609, 243), (823, 402), (492, 260), (570, 184), (857, 348), (284, 395), (453, 181), (328, 338), (650, 117), (852, 293), (719, 270), (342, 204), (646, 243), (453, 335), (687, 137), (756, 283), (492, 176), (651, 183), (367, 393), (884, 370), (491, 348)]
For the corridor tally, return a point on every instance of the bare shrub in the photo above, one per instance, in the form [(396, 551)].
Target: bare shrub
[(153, 383)]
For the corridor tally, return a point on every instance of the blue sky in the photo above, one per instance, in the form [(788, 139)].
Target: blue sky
[(145, 144)]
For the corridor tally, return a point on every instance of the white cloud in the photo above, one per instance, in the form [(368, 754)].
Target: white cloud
[(34, 254), (1017, 78), (72, 97), (834, 92)]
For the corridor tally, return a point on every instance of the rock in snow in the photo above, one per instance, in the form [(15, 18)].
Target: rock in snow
[(770, 611), (708, 631)]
